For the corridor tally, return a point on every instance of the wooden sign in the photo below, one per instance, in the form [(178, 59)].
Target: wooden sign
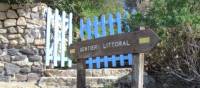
[(133, 42)]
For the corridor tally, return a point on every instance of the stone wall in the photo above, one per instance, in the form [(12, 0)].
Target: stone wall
[(22, 29)]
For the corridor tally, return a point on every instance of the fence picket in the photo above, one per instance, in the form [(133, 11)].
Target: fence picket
[(49, 12), (111, 24), (81, 29), (103, 25)]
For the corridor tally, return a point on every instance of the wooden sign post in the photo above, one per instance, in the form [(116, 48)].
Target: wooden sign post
[(136, 42)]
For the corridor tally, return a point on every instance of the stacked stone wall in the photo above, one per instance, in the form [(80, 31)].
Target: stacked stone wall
[(22, 39)]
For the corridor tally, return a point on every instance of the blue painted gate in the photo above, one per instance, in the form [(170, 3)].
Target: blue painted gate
[(58, 36)]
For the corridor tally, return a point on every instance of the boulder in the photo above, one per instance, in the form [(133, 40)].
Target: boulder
[(4, 6), (11, 69), (35, 58), (21, 21), (10, 22), (2, 15), (11, 14), (3, 31), (12, 30)]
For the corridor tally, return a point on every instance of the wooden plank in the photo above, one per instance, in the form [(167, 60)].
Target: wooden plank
[(63, 39), (81, 79), (138, 70), (47, 56), (81, 29), (55, 45), (70, 29), (115, 45)]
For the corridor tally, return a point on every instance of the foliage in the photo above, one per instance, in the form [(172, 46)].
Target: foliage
[(177, 22)]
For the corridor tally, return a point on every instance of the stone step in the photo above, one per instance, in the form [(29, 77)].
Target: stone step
[(118, 72), (91, 82)]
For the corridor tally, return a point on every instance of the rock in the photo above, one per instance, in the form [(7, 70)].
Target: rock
[(29, 38), (31, 26), (35, 58), (11, 14), (38, 42), (3, 31), (40, 47), (22, 41), (4, 78), (18, 57), (20, 30), (38, 22), (5, 58), (11, 69), (3, 46), (21, 78), (27, 51), (16, 6), (4, 6), (24, 13), (1, 52), (2, 71), (2, 15), (36, 69), (25, 70), (42, 52), (35, 15), (33, 77), (13, 52), (21, 21), (10, 22), (35, 9), (13, 42), (1, 24), (3, 39), (14, 36), (12, 30), (25, 62)]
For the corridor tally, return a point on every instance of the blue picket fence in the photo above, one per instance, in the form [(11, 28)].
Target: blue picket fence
[(102, 28), (58, 36)]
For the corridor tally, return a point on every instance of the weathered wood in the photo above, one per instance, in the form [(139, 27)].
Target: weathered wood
[(132, 42), (81, 78), (138, 70)]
